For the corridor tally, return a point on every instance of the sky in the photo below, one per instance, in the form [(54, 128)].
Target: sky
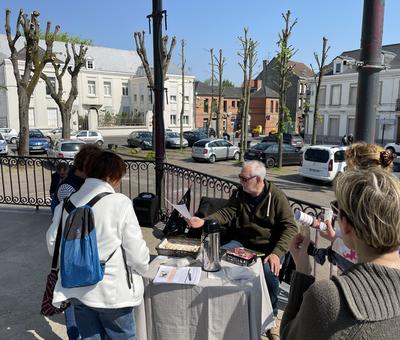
[(205, 24)]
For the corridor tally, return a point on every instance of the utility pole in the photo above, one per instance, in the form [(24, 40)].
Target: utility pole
[(183, 94), (368, 72), (158, 89)]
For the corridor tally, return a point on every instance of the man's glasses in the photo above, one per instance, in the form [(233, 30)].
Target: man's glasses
[(335, 207), (245, 179)]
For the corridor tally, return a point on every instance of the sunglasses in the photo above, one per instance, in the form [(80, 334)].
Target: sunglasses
[(337, 211), (245, 179)]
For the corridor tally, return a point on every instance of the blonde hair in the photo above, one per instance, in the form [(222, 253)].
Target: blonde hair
[(363, 155), (370, 200)]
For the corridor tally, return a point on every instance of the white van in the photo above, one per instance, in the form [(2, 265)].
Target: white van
[(323, 162)]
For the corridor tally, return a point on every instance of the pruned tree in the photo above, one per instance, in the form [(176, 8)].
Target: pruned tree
[(285, 53), (221, 61), (35, 59), (212, 106), (183, 93), (317, 81), (248, 58), (57, 88), (166, 54)]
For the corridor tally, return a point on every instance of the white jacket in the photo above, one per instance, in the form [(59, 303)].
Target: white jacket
[(116, 224)]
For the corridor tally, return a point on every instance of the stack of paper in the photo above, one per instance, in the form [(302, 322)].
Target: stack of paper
[(183, 275)]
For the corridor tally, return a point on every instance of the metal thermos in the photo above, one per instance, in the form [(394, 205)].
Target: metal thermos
[(210, 245)]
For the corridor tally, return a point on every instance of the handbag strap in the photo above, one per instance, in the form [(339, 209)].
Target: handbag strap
[(58, 241)]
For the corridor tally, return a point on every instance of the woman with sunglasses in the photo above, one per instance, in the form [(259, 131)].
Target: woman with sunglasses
[(363, 302)]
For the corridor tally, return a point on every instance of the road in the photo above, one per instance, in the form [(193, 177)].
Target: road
[(286, 178)]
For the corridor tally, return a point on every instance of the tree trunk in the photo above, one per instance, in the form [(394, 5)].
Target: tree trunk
[(66, 122), (23, 106)]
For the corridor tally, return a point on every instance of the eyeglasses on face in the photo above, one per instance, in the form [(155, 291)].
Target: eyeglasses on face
[(245, 179), (335, 207)]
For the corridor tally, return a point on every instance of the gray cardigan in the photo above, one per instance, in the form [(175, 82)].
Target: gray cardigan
[(362, 303)]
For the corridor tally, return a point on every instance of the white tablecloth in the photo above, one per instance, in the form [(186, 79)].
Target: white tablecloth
[(215, 309)]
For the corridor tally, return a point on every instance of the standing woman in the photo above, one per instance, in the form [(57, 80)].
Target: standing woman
[(363, 302), (106, 308)]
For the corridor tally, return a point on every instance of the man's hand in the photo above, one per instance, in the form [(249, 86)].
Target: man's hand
[(195, 222), (274, 263), (298, 249)]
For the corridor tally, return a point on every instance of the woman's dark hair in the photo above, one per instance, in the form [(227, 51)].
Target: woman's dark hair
[(85, 154), (106, 166)]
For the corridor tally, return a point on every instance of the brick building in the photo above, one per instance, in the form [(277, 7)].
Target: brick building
[(229, 106)]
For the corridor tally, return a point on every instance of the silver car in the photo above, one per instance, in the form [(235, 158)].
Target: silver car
[(65, 148), (214, 149), (173, 140), (89, 137), (10, 135)]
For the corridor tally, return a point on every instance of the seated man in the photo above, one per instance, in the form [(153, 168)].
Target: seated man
[(265, 221)]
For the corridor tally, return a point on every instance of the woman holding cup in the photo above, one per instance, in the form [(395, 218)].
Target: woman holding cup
[(364, 302)]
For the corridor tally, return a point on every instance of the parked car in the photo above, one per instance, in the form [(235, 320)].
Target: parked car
[(323, 162), (393, 147), (214, 149), (87, 136), (143, 139), (57, 134), (173, 140), (268, 154), (37, 141), (10, 135), (211, 131), (194, 136), (65, 148), (3, 146), (288, 138)]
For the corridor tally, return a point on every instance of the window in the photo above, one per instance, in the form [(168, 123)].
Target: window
[(172, 119), (53, 83), (185, 120), (205, 104), (126, 109), (380, 92), (186, 99), (91, 87), (234, 103), (172, 99), (338, 67), (353, 94), (92, 134), (52, 117), (89, 63), (150, 98), (31, 117), (142, 98), (272, 106), (336, 92), (107, 88), (333, 126), (225, 106), (125, 91), (135, 97), (350, 125), (316, 155), (339, 156), (205, 122), (322, 96), (300, 103)]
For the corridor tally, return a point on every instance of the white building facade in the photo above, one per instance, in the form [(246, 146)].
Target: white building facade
[(110, 92), (338, 98)]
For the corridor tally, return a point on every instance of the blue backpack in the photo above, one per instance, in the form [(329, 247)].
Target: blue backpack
[(80, 265)]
